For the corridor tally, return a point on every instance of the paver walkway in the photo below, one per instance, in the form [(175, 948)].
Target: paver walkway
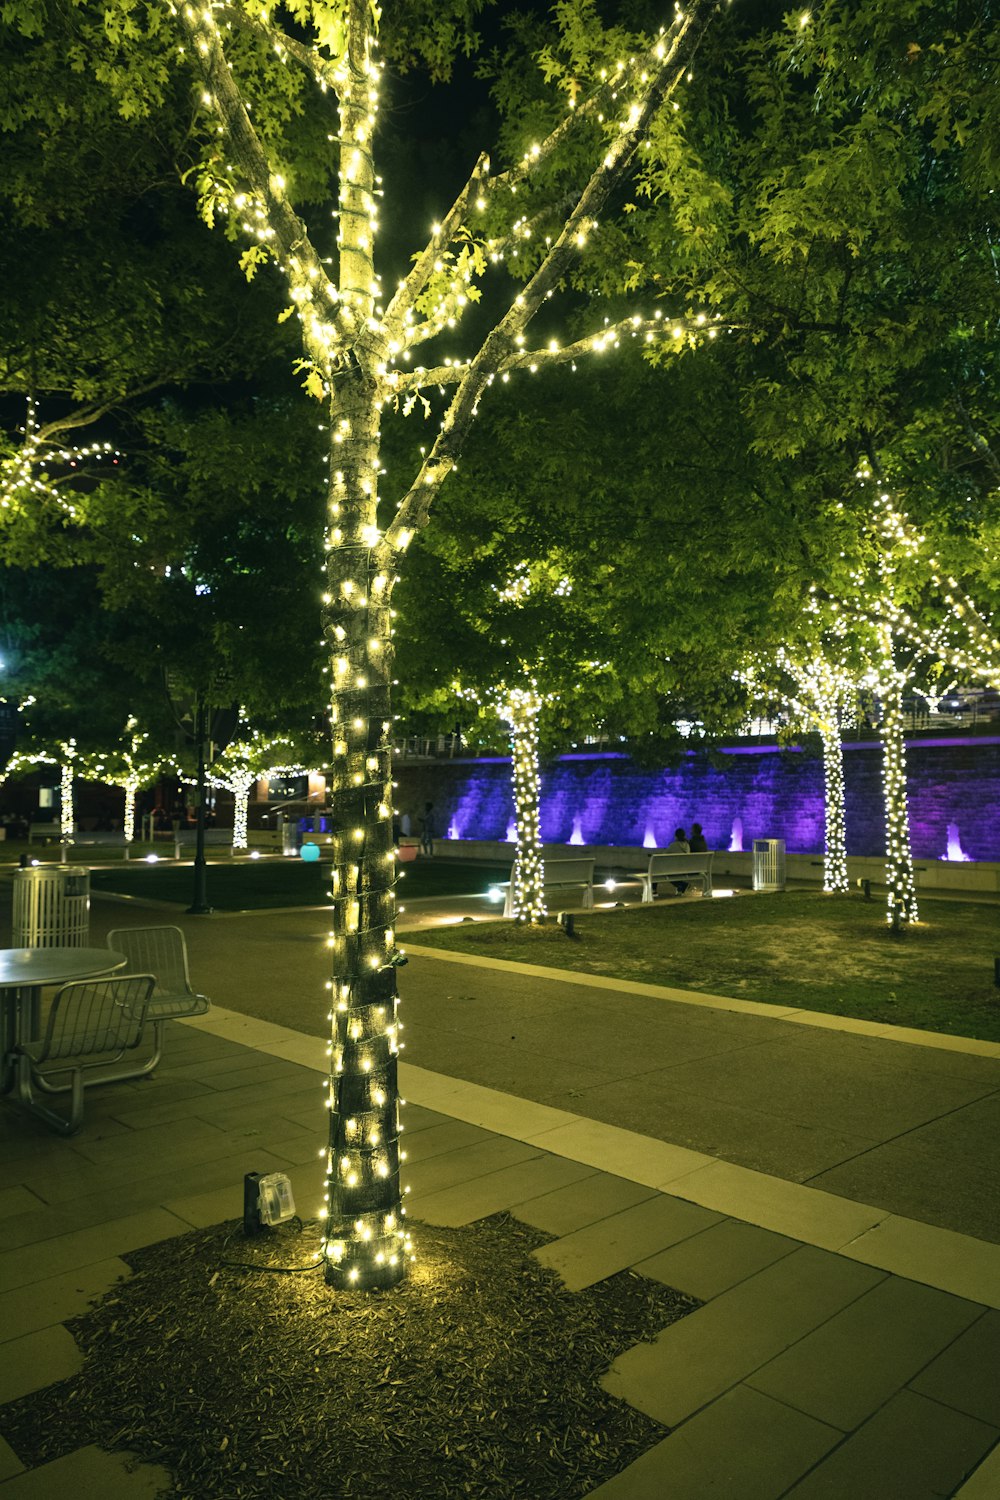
[(847, 1347)]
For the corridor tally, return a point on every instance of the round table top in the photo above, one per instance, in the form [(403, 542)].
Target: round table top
[(55, 965)]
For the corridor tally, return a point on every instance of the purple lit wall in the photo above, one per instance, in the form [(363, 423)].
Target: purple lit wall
[(605, 799)]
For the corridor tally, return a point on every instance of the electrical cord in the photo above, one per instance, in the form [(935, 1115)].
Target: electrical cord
[(249, 1265)]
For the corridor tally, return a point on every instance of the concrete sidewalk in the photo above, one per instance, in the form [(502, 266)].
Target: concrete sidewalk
[(810, 1183)]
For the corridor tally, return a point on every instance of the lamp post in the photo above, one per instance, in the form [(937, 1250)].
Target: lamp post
[(199, 906), (208, 729)]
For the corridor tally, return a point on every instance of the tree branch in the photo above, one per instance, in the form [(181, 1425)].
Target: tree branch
[(410, 289), (503, 342), (277, 225), (657, 329)]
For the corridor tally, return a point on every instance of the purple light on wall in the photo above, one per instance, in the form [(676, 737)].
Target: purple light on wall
[(510, 837), (576, 837), (453, 831), (955, 851), (760, 792), (649, 839)]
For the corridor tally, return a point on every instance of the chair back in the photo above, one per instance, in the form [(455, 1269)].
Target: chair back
[(96, 1015), (160, 951)]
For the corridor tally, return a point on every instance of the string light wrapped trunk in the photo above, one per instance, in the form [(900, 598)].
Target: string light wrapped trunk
[(520, 708), (834, 813), (365, 1244), (889, 683), (67, 815)]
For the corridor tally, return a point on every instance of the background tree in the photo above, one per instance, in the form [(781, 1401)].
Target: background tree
[(249, 756)]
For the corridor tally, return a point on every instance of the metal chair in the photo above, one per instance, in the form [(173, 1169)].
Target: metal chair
[(92, 1024), (161, 951)]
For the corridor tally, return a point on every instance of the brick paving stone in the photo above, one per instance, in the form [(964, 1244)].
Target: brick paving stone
[(743, 1446), (718, 1258), (90, 1474), (36, 1360), (849, 1367), (709, 1351), (595, 1197), (590, 1254), (448, 1136), (967, 1374), (79, 1247), (468, 1201), (912, 1449), (57, 1298), (453, 1167), (10, 1464)]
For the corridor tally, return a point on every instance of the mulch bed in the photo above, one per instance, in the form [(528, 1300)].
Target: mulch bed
[(477, 1377)]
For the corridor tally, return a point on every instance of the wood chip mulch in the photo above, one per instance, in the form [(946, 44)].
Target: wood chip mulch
[(476, 1378)]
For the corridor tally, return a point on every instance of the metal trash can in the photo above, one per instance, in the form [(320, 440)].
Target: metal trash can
[(769, 864), (291, 836), (51, 907)]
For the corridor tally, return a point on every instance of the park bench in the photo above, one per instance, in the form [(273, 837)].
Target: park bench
[(664, 866), (560, 872), (47, 831)]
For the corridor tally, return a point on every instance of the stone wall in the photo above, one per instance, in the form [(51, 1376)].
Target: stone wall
[(749, 792)]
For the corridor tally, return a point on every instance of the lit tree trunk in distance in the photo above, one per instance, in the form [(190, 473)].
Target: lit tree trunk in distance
[(351, 345), (520, 708), (834, 843), (130, 787), (241, 787), (67, 816), (821, 687), (902, 907)]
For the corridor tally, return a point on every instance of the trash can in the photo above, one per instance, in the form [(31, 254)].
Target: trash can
[(769, 864), (51, 907), (291, 836)]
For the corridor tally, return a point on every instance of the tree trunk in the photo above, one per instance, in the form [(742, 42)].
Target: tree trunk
[(902, 895), (67, 816), (835, 841), (520, 709), (131, 787), (241, 795), (365, 1244)]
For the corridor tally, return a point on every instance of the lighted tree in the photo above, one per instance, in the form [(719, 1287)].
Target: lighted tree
[(519, 673), (355, 349), (62, 753), (249, 756), (129, 766), (815, 686)]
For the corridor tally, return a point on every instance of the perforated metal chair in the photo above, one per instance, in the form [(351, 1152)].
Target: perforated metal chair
[(161, 951), (92, 1025)]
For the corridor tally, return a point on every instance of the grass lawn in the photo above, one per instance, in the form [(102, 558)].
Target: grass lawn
[(802, 948), (248, 885)]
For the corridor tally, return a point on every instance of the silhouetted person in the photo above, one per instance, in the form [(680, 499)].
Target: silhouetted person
[(427, 829), (679, 845), (696, 840)]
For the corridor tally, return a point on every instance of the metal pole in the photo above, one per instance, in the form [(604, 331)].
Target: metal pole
[(199, 906)]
